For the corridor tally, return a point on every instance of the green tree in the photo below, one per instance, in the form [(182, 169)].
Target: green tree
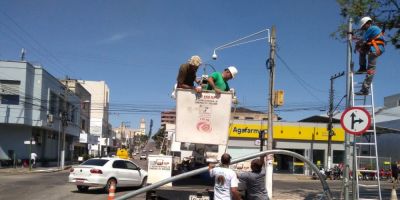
[(385, 13), (158, 137)]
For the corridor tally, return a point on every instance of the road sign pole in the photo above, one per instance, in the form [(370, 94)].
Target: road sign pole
[(30, 152)]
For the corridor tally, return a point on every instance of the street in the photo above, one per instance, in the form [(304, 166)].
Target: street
[(37, 186)]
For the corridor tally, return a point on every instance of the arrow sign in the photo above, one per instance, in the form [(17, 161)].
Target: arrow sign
[(355, 120)]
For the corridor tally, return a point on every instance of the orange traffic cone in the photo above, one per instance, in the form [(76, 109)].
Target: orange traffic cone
[(111, 191)]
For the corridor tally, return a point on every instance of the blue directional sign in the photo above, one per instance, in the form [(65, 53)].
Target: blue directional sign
[(355, 120)]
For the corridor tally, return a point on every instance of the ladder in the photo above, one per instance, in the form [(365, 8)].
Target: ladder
[(365, 165)]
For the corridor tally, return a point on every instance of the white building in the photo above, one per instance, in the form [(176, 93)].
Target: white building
[(32, 102), (99, 125)]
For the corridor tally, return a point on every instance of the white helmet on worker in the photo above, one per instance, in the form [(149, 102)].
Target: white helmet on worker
[(364, 20), (233, 71), (195, 60)]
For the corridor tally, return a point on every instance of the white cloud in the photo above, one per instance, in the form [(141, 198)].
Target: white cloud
[(114, 38)]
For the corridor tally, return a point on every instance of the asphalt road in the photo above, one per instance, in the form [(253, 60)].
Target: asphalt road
[(38, 186)]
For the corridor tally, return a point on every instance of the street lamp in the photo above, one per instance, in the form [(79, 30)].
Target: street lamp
[(271, 67), (241, 41)]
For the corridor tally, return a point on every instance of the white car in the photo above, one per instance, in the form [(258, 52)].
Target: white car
[(102, 171), (143, 156)]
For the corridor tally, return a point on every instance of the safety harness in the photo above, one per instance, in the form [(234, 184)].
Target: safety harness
[(375, 41)]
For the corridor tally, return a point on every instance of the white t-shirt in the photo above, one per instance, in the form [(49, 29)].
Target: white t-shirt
[(33, 156), (225, 179)]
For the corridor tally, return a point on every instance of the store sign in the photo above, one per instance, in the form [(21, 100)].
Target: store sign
[(83, 137), (202, 118), (159, 168), (286, 131)]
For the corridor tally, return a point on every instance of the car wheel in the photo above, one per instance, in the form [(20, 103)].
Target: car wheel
[(82, 188), (108, 185), (144, 182)]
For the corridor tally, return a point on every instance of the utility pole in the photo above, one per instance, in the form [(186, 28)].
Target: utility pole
[(270, 158), (348, 104), (330, 124), (64, 122)]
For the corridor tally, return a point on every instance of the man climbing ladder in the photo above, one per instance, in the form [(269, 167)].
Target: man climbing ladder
[(371, 45)]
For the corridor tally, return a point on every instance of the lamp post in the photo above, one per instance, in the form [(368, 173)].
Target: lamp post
[(271, 66)]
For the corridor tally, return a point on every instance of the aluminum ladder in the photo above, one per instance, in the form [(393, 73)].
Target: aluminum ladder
[(365, 165)]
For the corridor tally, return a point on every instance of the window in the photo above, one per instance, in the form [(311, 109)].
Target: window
[(9, 92), (95, 162), (211, 148), (119, 164), (235, 117), (53, 103), (130, 165), (248, 118), (60, 105), (338, 156), (83, 124)]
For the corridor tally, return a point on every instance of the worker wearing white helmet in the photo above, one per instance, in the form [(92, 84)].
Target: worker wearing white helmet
[(372, 46), (187, 74), (218, 81)]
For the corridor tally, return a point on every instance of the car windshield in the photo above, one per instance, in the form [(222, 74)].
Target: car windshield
[(96, 162)]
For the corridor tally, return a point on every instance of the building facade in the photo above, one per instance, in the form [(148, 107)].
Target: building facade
[(99, 123), (81, 147), (36, 106)]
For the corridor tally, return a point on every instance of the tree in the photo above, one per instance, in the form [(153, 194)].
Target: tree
[(385, 13), (158, 137)]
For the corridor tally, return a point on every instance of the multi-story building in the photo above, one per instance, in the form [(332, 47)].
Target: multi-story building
[(34, 105), (168, 117), (99, 124), (85, 138)]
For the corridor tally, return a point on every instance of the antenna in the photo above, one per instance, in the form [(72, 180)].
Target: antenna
[(23, 54)]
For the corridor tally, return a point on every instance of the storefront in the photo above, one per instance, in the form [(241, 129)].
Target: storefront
[(306, 139)]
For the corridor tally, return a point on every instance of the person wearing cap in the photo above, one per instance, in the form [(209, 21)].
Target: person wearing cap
[(372, 46), (187, 74), (218, 81)]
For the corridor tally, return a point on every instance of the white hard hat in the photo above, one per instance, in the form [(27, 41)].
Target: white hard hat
[(364, 20), (233, 71), (195, 60)]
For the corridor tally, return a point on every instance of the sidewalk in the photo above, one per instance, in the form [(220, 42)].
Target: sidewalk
[(24, 170)]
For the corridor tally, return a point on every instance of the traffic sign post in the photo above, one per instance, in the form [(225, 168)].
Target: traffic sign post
[(355, 120)]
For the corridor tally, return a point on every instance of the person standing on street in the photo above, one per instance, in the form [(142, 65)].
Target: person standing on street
[(372, 46), (33, 159), (226, 181), (255, 180), (187, 74), (395, 173), (219, 81)]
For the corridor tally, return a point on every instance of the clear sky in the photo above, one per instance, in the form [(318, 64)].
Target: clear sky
[(137, 46)]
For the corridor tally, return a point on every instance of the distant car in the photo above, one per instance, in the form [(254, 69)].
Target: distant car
[(143, 156), (144, 150), (103, 171), (134, 154), (151, 150)]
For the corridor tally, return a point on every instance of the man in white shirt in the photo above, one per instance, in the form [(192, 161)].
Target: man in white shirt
[(33, 159), (226, 181)]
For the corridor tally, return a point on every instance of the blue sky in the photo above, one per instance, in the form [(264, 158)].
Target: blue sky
[(137, 47)]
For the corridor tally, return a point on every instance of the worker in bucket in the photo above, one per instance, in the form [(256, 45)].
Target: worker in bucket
[(187, 74), (218, 81), (372, 46)]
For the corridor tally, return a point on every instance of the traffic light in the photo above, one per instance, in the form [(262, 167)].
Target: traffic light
[(278, 100)]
